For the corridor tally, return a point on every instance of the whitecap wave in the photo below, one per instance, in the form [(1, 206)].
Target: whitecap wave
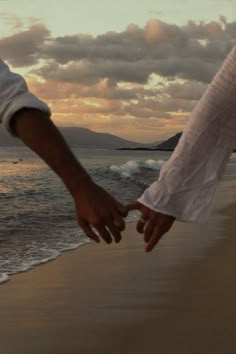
[(132, 167)]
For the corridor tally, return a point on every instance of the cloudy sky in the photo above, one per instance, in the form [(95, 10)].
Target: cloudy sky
[(133, 68)]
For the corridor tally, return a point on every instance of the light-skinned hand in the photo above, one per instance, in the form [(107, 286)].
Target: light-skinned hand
[(151, 223)]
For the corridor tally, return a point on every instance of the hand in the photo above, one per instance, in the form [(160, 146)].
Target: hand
[(152, 224), (98, 213)]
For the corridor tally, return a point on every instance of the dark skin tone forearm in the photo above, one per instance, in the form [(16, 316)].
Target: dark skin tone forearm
[(98, 213), (39, 133)]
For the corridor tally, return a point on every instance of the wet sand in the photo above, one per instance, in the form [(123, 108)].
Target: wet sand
[(117, 299)]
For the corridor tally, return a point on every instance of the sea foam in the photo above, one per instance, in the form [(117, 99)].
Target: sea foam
[(133, 167)]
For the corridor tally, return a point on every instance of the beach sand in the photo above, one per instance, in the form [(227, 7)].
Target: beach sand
[(116, 299)]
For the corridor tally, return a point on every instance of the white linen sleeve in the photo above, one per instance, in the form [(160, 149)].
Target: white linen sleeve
[(188, 180), (14, 95)]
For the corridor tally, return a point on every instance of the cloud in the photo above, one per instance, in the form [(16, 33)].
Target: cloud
[(156, 32), (23, 48), (52, 89), (11, 20), (189, 90), (192, 52), (88, 72), (109, 75)]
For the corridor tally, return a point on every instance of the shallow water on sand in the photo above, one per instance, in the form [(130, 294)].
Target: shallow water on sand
[(37, 217)]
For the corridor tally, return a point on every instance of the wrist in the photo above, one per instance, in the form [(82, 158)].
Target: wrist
[(77, 181)]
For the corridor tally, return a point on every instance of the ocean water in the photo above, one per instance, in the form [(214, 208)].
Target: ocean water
[(37, 217)]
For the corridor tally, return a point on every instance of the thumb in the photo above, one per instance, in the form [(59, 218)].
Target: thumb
[(133, 206)]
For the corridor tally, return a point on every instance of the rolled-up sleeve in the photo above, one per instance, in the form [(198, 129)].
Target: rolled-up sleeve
[(188, 180), (14, 95)]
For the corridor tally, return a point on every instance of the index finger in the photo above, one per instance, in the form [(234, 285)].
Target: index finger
[(133, 206)]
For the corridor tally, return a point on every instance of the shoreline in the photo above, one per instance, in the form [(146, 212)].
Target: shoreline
[(181, 298)]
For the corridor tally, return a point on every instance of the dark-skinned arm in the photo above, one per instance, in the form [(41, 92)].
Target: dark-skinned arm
[(98, 213)]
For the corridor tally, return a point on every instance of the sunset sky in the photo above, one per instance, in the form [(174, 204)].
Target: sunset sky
[(135, 69)]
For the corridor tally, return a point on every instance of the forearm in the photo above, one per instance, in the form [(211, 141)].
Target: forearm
[(39, 133), (188, 180)]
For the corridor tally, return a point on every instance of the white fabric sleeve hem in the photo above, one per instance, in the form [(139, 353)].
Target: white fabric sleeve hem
[(14, 95), (24, 100), (170, 212), (188, 180), (143, 201), (177, 207)]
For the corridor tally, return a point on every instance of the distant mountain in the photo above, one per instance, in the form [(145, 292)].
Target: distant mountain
[(170, 143), (86, 138), (167, 145), (81, 138)]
